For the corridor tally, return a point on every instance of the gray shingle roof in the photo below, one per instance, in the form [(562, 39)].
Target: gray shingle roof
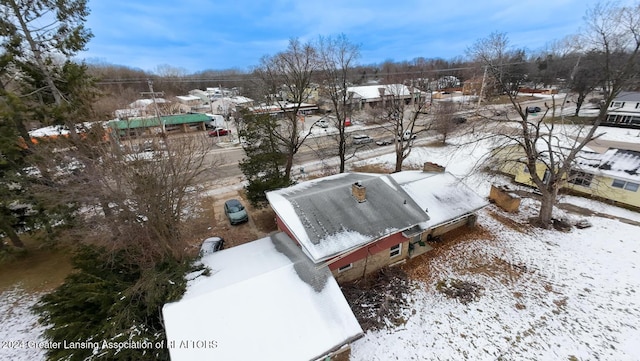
[(628, 97), (327, 219)]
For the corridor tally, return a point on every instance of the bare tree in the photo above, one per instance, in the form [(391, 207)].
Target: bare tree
[(123, 199), (443, 119), (401, 115), (547, 150), (287, 76), (337, 57)]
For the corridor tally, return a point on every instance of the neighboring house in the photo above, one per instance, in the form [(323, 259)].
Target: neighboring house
[(356, 223), (624, 110), (280, 107), (613, 175), (310, 95), (371, 96), (191, 101), (143, 108), (156, 125), (263, 300)]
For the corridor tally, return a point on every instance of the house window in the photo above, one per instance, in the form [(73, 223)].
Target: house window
[(345, 267), (629, 186), (395, 250), (617, 104), (580, 178)]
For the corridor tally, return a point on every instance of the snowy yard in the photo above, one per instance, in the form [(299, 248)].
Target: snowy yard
[(19, 328), (547, 296)]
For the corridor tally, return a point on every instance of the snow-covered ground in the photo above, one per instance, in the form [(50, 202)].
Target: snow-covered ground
[(19, 328), (547, 295)]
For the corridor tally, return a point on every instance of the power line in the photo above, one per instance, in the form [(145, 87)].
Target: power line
[(240, 78)]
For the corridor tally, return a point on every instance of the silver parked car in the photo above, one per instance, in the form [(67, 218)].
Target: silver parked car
[(362, 139)]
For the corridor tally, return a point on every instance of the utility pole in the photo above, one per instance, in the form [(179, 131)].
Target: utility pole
[(155, 104), (484, 76)]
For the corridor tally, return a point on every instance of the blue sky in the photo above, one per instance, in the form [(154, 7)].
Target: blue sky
[(197, 35)]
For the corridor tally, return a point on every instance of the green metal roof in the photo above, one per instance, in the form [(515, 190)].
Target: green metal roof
[(154, 122)]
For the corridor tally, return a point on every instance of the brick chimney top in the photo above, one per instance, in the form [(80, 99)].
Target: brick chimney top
[(359, 192), (432, 168)]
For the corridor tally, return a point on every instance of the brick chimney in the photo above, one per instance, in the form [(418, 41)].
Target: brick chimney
[(359, 192), (432, 168)]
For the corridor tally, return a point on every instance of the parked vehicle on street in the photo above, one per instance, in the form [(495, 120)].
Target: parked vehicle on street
[(459, 120), (362, 139), (407, 135), (235, 211), (533, 109), (211, 245), (323, 123), (384, 142), (219, 131)]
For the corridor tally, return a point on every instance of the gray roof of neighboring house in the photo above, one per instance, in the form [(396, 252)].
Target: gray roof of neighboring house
[(327, 220), (628, 97)]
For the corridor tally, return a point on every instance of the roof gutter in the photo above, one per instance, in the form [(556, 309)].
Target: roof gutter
[(333, 260)]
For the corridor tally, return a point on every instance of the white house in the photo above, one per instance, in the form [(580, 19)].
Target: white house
[(372, 95), (624, 110)]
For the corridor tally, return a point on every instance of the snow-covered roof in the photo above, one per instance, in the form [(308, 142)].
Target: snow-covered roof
[(614, 163), (50, 131), (187, 98), (327, 220), (372, 92), (280, 106), (442, 194), (143, 103), (57, 130), (264, 300)]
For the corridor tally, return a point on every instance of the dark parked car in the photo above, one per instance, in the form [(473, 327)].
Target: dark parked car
[(211, 245), (533, 109), (219, 131), (459, 120), (235, 211)]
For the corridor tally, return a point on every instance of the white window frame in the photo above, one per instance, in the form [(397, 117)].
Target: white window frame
[(628, 186), (395, 251), (345, 267)]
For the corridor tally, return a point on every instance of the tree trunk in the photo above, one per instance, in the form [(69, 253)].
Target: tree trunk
[(37, 53), (342, 153), (11, 233), (399, 159), (288, 166), (547, 202), (581, 98)]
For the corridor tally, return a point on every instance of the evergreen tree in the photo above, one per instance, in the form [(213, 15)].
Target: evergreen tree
[(265, 163), (111, 299)]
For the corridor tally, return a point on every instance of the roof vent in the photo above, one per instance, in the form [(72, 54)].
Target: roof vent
[(359, 191)]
